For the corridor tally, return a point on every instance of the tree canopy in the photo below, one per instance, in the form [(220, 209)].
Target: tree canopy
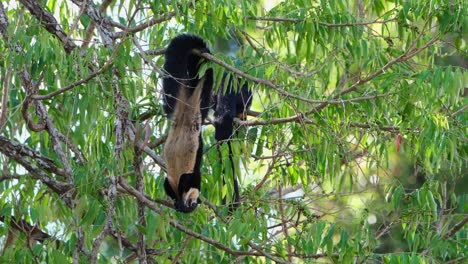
[(354, 151)]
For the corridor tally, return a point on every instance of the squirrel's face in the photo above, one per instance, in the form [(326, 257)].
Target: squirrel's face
[(183, 192), (188, 201)]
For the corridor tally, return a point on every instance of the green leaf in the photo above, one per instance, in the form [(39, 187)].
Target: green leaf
[(396, 197)]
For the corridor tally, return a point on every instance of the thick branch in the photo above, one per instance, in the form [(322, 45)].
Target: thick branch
[(19, 153), (49, 22), (102, 23), (3, 23), (92, 25), (6, 177), (43, 162)]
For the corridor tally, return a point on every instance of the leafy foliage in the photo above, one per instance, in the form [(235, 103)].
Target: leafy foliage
[(355, 150)]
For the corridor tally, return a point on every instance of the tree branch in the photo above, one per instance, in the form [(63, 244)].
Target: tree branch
[(331, 25), (267, 83), (49, 22), (31, 232), (92, 25), (6, 177), (5, 93), (53, 132), (144, 26), (404, 57), (80, 82), (18, 153), (138, 167), (455, 228), (150, 204), (42, 161), (4, 23), (102, 23)]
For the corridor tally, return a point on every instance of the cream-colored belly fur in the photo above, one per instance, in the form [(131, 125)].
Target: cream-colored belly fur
[(180, 149)]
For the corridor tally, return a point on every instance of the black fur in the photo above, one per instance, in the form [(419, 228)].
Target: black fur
[(232, 102), (182, 67)]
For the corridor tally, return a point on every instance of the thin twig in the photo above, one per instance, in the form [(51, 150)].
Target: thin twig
[(332, 25), (404, 57), (5, 93), (455, 228), (80, 82), (182, 250), (138, 167), (145, 25), (461, 110)]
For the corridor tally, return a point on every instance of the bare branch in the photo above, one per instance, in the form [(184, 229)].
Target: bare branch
[(131, 134), (150, 204), (155, 52), (111, 194), (30, 88), (129, 245), (120, 127), (290, 95), (461, 110), (157, 142), (300, 118), (182, 250), (284, 220), (79, 156), (143, 198), (146, 60)]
